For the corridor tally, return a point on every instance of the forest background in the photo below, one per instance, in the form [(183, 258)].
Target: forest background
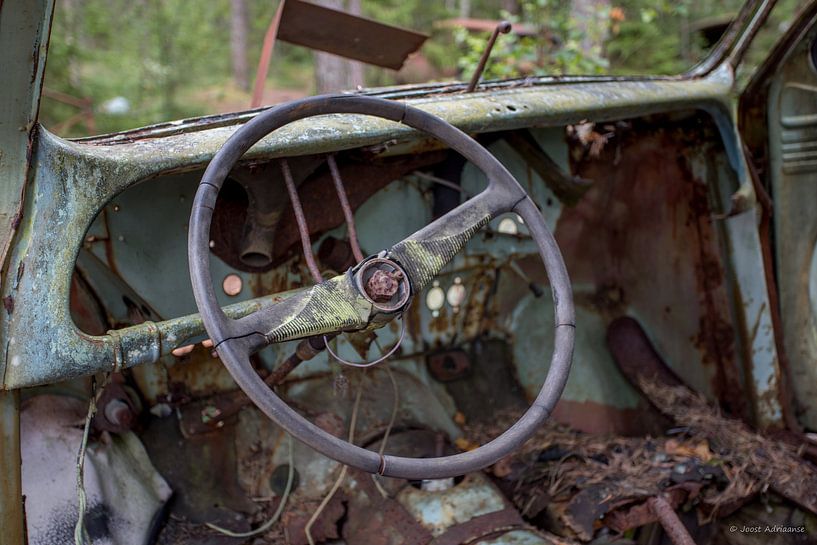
[(119, 64)]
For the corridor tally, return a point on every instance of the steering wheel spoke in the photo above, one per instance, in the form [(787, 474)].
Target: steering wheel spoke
[(332, 306), (427, 251)]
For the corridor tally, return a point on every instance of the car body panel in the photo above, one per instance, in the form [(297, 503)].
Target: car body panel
[(706, 304)]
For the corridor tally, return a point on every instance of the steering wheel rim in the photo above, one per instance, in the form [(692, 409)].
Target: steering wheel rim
[(504, 193)]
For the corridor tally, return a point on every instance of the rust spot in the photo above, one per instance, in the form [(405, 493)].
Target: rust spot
[(199, 375), (275, 281), (449, 365), (8, 304), (325, 528), (609, 298), (87, 311), (442, 323), (383, 285), (18, 217), (478, 315), (646, 226), (35, 58), (592, 417), (331, 423), (412, 320)]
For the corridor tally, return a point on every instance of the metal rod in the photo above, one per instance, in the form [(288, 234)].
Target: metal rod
[(300, 219), (266, 55), (537, 290), (675, 529), (11, 486), (305, 351), (347, 209), (504, 27), (443, 182)]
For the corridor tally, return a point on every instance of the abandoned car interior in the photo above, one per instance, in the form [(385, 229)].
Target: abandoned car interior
[(550, 310)]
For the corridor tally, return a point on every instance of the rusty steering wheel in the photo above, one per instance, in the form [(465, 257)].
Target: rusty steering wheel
[(342, 304)]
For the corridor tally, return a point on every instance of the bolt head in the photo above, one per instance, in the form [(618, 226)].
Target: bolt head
[(382, 285)]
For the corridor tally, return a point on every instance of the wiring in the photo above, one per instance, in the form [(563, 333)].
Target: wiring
[(363, 365), (80, 533), (395, 406)]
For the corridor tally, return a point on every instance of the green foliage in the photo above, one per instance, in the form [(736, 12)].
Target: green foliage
[(644, 45), (554, 50), (171, 58), (160, 55), (660, 36)]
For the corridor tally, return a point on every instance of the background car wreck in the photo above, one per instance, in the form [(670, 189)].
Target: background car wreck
[(685, 285)]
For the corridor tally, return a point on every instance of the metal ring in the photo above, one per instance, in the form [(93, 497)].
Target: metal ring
[(378, 360)]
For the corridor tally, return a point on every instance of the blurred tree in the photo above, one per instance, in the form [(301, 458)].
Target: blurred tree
[(591, 22), (511, 6), (239, 31), (333, 73)]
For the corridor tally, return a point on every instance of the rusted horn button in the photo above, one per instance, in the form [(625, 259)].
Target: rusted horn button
[(384, 283)]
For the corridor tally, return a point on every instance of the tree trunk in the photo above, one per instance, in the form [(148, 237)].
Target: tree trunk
[(333, 73), (465, 8), (239, 28), (356, 76), (511, 6), (592, 23)]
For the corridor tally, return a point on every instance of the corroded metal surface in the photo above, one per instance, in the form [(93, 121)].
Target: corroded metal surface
[(11, 488), (644, 217), (89, 162), (777, 119), (73, 180), (24, 30), (728, 352), (25, 26), (643, 241), (439, 510), (67, 169), (340, 33), (504, 106)]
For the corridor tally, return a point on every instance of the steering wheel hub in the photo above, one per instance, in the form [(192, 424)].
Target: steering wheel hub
[(384, 284)]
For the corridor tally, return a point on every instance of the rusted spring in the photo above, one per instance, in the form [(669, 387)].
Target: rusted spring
[(504, 27), (675, 529), (300, 219), (348, 214)]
